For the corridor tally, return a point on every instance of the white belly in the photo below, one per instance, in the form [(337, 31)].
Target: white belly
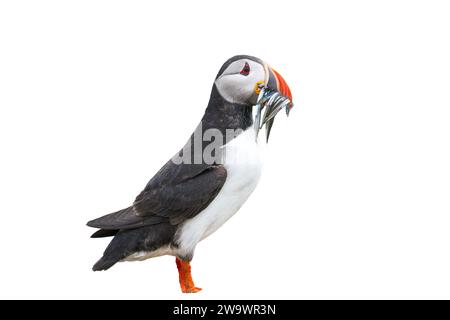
[(243, 162)]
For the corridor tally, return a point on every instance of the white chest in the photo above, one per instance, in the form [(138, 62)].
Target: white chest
[(243, 162)]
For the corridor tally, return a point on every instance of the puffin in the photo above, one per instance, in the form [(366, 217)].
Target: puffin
[(206, 182)]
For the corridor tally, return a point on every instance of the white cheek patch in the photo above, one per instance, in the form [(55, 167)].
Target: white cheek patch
[(237, 88)]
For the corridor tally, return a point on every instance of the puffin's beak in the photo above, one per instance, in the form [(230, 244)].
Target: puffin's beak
[(276, 82), (275, 97)]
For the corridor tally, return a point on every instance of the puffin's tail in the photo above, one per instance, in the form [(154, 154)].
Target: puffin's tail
[(127, 242), (102, 233), (104, 264), (122, 245), (111, 256)]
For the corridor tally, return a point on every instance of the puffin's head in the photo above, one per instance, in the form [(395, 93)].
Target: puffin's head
[(241, 78), (247, 81)]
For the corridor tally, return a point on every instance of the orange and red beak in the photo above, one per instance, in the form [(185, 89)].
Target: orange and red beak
[(282, 86), (276, 82)]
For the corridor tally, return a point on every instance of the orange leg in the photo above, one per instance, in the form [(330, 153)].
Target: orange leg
[(184, 272)]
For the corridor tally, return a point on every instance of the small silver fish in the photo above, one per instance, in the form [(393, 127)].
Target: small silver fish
[(273, 101)]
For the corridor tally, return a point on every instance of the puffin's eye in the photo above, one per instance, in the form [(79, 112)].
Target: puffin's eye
[(245, 70)]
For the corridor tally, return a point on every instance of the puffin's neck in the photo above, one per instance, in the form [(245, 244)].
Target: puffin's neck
[(219, 115), (222, 115)]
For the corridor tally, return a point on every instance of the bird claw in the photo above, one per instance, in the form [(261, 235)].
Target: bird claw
[(191, 290)]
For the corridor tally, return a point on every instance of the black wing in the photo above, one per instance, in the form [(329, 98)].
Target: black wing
[(183, 200), (174, 194)]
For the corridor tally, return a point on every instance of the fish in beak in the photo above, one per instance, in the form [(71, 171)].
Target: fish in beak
[(274, 95)]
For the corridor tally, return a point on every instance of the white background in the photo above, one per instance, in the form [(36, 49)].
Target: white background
[(354, 203)]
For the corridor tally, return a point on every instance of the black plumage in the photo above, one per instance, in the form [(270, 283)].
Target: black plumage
[(177, 191)]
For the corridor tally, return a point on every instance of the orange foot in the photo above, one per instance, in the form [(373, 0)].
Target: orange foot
[(191, 290), (184, 272)]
